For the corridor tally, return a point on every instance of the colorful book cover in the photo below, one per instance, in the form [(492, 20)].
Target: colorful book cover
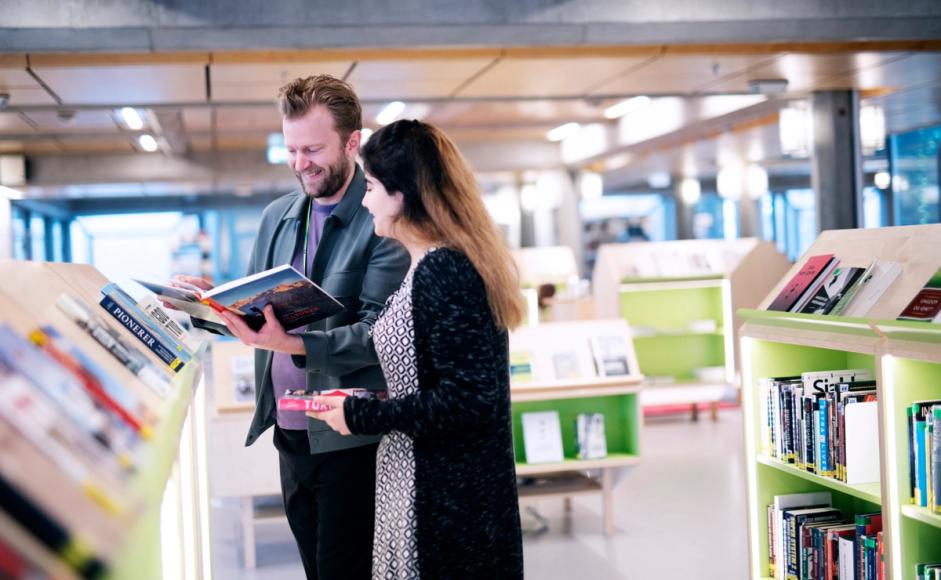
[(296, 300), (801, 281), (830, 292), (880, 276), (610, 354), (590, 440), (142, 333), (936, 460), (926, 305), (521, 367)]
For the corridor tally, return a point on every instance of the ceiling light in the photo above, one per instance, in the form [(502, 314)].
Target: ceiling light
[(366, 134), (562, 131), (132, 118), (871, 128), (882, 180), (690, 190), (626, 106), (756, 181), (729, 182), (390, 112), (795, 129), (147, 143), (591, 185)]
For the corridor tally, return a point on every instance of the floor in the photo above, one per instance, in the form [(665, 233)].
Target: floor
[(679, 514)]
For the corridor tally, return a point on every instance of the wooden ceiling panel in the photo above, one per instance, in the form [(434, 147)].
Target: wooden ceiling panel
[(547, 77), (807, 72), (197, 119), (13, 123), (543, 112), (413, 79), (241, 82), (11, 146), (42, 147), (85, 120), (496, 135), (265, 119), (680, 74), (91, 146), (911, 70), (127, 85)]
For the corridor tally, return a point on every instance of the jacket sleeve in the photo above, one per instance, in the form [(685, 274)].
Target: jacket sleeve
[(345, 349), (462, 388)]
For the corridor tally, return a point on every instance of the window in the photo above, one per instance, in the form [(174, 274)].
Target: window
[(914, 157)]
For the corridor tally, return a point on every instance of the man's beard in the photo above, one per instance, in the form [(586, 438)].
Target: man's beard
[(334, 176)]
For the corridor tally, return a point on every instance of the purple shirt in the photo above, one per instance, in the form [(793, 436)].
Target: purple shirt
[(284, 374)]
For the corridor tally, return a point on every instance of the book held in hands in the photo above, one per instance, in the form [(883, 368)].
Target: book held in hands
[(296, 300)]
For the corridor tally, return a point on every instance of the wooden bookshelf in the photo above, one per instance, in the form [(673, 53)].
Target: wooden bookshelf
[(681, 298), (27, 301), (616, 397), (905, 359)]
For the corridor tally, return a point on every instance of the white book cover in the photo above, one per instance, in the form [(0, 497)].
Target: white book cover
[(787, 502), (862, 442), (589, 430), (542, 437), (882, 275), (847, 551)]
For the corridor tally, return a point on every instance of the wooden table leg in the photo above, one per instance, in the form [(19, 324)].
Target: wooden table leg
[(607, 500)]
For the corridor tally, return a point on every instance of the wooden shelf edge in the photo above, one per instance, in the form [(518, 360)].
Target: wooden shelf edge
[(833, 484), (574, 465), (922, 515)]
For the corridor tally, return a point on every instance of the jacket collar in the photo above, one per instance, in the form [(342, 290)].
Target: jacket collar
[(345, 210)]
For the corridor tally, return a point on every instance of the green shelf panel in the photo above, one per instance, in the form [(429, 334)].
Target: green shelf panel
[(622, 430), (772, 481), (922, 515), (921, 543), (140, 557), (671, 308), (870, 492), (814, 322), (774, 359), (907, 330), (679, 355)]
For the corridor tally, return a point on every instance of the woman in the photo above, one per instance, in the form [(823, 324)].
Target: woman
[(446, 500)]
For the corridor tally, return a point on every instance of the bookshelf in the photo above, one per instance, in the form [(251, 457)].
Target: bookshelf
[(905, 359), (136, 548), (616, 397), (680, 298)]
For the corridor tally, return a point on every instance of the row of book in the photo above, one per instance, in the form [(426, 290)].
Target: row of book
[(824, 422), (924, 457), (75, 431), (608, 359), (542, 436), (809, 539), (928, 571), (823, 286)]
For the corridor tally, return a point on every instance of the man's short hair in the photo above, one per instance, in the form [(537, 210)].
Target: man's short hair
[(297, 97)]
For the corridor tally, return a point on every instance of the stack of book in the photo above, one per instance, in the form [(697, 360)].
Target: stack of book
[(608, 358), (810, 539), (823, 286), (823, 422), (924, 457), (928, 571), (74, 435)]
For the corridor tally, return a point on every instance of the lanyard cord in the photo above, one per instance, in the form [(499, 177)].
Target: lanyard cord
[(310, 207)]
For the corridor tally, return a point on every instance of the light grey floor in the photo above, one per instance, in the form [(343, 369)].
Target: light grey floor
[(679, 514)]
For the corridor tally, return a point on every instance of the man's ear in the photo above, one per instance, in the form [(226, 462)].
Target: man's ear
[(353, 143)]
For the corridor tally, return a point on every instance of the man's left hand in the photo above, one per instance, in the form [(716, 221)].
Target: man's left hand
[(271, 336), (334, 417)]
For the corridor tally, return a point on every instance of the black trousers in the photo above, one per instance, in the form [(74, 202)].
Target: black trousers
[(330, 501)]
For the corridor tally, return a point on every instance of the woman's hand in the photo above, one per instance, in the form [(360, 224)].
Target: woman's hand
[(271, 336), (334, 416)]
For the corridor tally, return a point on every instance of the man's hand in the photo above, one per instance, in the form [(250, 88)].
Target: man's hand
[(334, 417), (186, 282), (271, 336)]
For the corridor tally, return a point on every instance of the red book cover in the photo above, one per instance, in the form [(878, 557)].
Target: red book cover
[(926, 305), (801, 281)]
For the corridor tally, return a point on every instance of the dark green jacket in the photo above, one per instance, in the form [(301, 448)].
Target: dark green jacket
[(361, 270)]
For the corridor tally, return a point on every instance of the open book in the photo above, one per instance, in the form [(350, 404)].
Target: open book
[(296, 300)]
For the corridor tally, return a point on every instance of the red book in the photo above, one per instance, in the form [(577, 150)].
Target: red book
[(809, 273), (926, 305)]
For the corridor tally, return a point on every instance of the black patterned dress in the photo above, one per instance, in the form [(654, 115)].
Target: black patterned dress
[(446, 500)]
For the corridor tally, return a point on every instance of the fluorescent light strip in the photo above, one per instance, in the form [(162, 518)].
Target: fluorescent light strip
[(147, 143), (626, 106), (562, 131), (132, 118), (390, 112)]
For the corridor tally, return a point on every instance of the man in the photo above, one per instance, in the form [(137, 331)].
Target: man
[(327, 480)]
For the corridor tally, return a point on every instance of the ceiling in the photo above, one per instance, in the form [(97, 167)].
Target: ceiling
[(486, 99)]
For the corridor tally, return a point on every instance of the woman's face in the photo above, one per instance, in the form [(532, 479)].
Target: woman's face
[(384, 207)]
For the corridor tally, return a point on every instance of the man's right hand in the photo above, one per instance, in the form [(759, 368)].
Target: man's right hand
[(187, 282)]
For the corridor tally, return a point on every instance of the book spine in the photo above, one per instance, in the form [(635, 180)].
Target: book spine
[(921, 475), (771, 555), (936, 460), (127, 304), (141, 333)]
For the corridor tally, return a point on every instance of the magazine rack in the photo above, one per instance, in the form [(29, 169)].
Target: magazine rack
[(617, 397), (27, 301), (905, 358), (680, 298)]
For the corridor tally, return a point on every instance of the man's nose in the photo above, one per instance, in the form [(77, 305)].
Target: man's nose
[(300, 163)]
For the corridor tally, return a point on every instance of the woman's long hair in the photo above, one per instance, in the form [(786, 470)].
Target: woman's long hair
[(442, 203)]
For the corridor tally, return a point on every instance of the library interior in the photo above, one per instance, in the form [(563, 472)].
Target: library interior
[(583, 289)]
